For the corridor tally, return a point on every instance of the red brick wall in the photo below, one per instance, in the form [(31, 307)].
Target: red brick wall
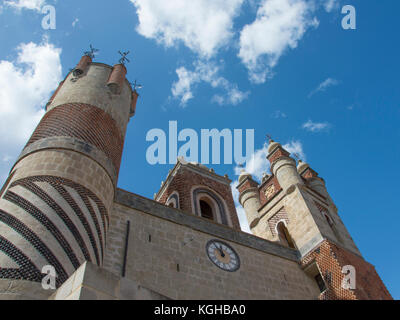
[(331, 259), (278, 153), (183, 182), (247, 185), (264, 187), (280, 215), (84, 122)]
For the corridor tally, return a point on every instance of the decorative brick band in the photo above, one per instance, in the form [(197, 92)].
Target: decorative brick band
[(46, 222), (67, 197), (87, 207), (27, 270), (34, 240), (83, 192), (58, 184), (84, 122), (60, 212)]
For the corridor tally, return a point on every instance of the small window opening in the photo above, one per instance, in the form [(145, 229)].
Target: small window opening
[(284, 236), (206, 210), (320, 282)]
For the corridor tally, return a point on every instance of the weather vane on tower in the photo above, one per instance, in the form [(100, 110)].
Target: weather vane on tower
[(124, 59), (136, 85), (297, 156), (91, 53)]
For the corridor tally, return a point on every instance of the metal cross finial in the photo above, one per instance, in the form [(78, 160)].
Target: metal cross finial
[(242, 167), (269, 137), (296, 155), (91, 52), (137, 86), (124, 58)]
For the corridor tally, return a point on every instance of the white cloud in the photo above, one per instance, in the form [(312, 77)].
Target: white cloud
[(330, 82), (26, 85), (330, 5), (233, 95), (279, 26), (205, 72), (278, 114), (258, 164), (26, 4), (295, 147), (204, 26), (316, 126)]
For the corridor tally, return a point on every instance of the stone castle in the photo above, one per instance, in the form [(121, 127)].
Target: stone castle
[(60, 208)]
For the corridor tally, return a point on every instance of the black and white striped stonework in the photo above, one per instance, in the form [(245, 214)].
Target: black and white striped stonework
[(48, 220)]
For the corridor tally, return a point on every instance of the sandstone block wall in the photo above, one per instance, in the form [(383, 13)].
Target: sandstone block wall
[(170, 258)]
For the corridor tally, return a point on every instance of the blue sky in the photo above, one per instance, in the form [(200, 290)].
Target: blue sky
[(283, 67)]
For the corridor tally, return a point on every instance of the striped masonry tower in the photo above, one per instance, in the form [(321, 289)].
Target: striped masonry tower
[(55, 205)]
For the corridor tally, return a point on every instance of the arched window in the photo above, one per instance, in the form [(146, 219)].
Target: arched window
[(208, 204), (206, 210), (173, 200), (284, 236)]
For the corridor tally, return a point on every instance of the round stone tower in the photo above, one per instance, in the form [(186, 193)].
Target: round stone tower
[(283, 166), (55, 205), (249, 197)]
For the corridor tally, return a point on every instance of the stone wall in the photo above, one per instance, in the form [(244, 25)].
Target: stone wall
[(167, 254)]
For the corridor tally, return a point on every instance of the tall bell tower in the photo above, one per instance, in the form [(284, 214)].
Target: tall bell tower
[(55, 205), (292, 207)]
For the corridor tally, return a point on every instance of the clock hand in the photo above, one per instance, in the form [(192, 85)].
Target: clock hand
[(221, 252)]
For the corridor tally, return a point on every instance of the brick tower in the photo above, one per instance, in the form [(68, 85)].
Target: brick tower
[(55, 205), (196, 189), (293, 207)]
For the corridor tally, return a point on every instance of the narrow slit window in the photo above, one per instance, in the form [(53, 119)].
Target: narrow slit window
[(284, 236)]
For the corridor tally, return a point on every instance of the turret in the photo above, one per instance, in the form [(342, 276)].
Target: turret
[(249, 197), (315, 182), (283, 166), (55, 205)]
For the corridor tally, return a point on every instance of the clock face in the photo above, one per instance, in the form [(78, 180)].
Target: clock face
[(222, 255)]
